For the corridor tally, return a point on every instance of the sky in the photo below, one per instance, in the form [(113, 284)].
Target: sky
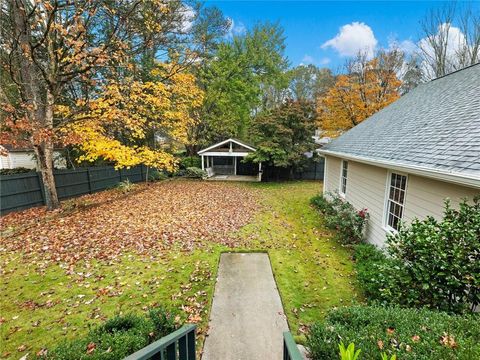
[(326, 33)]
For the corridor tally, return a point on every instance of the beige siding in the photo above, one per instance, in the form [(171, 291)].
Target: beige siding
[(332, 173), (366, 188), (426, 196)]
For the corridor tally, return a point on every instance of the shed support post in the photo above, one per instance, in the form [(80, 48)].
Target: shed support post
[(203, 163), (259, 171)]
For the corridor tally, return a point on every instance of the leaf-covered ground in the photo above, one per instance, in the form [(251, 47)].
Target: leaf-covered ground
[(110, 253)]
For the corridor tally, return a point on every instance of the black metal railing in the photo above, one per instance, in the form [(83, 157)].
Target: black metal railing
[(290, 349), (179, 345)]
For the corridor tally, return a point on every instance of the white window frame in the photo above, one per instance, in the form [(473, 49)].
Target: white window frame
[(386, 209), (340, 188)]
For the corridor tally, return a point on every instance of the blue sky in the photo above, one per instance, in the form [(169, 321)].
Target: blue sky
[(326, 32)]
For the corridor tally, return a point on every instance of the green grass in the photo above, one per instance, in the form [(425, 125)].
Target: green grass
[(313, 273), (40, 310)]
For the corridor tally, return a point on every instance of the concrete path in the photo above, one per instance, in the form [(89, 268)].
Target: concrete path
[(247, 320)]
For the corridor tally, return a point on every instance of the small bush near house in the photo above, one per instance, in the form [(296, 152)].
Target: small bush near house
[(195, 173), (116, 338), (18, 170), (341, 216), (409, 333), (442, 258), (431, 263)]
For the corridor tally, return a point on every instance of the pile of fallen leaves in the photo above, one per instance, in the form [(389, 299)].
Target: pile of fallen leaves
[(173, 213)]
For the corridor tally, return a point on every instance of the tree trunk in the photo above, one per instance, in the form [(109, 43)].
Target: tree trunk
[(39, 100), (44, 153)]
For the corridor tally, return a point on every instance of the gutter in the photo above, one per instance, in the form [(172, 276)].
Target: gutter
[(447, 176)]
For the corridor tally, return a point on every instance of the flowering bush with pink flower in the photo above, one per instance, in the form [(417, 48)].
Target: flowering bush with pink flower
[(349, 223)]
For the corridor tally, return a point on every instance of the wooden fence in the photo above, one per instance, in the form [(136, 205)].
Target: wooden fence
[(314, 170), (22, 191)]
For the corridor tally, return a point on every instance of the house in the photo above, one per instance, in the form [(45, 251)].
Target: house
[(15, 156), (402, 162), (224, 161)]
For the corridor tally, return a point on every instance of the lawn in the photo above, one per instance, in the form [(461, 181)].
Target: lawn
[(110, 253)]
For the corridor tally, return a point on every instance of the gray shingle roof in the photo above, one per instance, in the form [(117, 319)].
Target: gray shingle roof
[(435, 126)]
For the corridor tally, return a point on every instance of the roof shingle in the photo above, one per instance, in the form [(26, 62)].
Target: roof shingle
[(435, 126)]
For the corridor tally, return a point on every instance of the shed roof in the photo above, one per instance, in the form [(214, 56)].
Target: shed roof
[(247, 147), (434, 128)]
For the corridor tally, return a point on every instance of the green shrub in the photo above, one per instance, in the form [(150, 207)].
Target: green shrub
[(125, 186), (322, 204), (116, 338), (408, 333), (341, 216), (155, 175), (190, 161), (195, 173), (18, 170), (431, 263), (163, 322), (442, 258)]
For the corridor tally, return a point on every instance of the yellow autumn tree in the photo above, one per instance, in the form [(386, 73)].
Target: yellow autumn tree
[(368, 87), (120, 125)]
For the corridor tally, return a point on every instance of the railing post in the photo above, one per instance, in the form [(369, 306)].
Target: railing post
[(181, 341), (290, 349), (191, 344)]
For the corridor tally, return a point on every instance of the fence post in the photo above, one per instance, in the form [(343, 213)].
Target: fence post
[(141, 171), (89, 181), (120, 173)]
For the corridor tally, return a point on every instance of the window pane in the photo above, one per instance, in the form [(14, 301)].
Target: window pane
[(396, 199), (395, 223), (392, 207), (393, 180)]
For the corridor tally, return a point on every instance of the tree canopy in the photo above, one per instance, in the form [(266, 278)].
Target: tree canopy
[(368, 86), (283, 135)]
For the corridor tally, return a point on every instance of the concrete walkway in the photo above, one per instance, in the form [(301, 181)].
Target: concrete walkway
[(247, 320)]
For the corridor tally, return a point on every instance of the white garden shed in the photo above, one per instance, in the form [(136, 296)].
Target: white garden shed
[(225, 161)]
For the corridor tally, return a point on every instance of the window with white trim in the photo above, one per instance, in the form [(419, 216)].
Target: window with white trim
[(396, 201), (343, 177)]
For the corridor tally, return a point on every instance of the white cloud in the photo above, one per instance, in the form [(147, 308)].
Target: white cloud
[(407, 46), (236, 28), (188, 17), (353, 38), (456, 42), (324, 61), (307, 59)]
